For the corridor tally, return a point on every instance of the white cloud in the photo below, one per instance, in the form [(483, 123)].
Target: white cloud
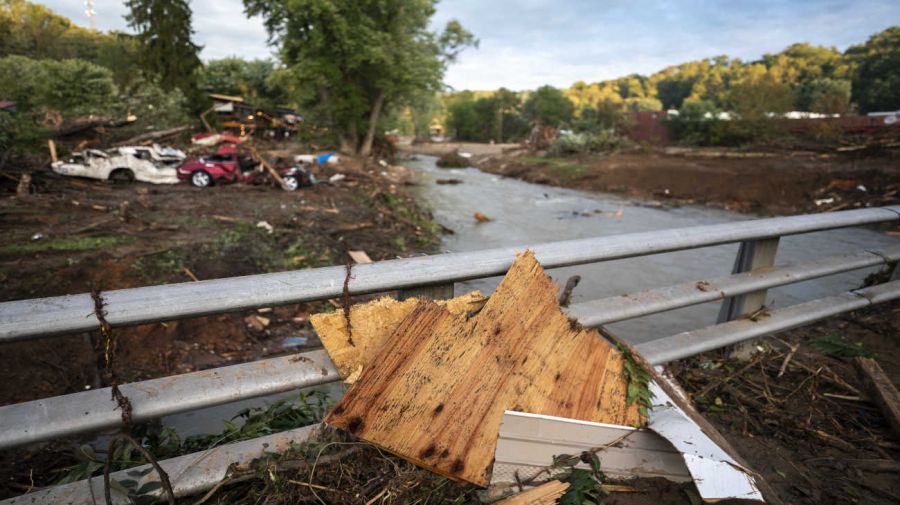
[(527, 43)]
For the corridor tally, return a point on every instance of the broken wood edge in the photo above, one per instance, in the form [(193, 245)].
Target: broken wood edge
[(681, 400)]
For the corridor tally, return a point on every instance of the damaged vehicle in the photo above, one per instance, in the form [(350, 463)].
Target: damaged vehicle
[(153, 164), (227, 165)]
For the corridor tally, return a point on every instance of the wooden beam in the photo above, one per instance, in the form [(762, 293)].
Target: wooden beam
[(883, 391)]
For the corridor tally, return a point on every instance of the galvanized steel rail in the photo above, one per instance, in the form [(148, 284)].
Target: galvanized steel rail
[(67, 314)]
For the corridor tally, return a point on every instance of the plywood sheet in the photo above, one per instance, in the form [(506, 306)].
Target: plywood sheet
[(436, 392), (372, 324)]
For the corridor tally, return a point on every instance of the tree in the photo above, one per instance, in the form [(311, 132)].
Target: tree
[(352, 58), (643, 104), (166, 51), (876, 81), (255, 80), (34, 31), (548, 106)]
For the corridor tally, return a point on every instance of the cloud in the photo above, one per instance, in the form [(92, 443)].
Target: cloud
[(528, 43)]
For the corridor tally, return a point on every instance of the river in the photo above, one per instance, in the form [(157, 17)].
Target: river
[(525, 213)]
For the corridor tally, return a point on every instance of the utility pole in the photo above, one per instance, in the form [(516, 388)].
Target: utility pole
[(89, 10)]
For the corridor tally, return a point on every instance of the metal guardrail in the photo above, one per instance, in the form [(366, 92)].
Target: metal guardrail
[(91, 411), (68, 314)]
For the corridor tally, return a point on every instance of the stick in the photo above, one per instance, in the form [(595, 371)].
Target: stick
[(190, 274), (566, 296), (882, 390)]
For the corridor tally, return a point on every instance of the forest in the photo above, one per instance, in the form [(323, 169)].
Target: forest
[(802, 77)]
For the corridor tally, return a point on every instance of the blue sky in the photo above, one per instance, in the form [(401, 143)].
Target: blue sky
[(528, 43)]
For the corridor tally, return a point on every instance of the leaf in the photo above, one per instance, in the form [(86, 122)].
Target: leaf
[(149, 487), (139, 472), (129, 483), (833, 345)]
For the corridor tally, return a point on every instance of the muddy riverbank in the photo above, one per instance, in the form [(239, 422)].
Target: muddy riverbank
[(766, 183)]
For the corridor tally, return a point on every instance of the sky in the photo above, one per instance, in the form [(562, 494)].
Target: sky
[(528, 43)]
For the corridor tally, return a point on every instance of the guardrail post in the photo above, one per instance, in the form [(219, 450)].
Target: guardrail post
[(433, 291), (751, 255)]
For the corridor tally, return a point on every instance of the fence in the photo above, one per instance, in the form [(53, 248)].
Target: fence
[(92, 411)]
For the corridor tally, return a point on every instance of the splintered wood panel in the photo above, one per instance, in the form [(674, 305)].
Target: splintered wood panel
[(436, 392), (371, 325)]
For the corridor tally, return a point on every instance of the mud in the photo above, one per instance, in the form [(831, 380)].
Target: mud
[(813, 433), (73, 235), (768, 183)]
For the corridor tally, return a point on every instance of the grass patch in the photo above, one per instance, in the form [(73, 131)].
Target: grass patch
[(560, 167), (66, 244), (163, 442)]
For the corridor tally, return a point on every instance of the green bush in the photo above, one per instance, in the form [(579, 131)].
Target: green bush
[(584, 143)]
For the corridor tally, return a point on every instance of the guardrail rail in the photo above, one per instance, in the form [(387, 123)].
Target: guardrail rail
[(742, 292)]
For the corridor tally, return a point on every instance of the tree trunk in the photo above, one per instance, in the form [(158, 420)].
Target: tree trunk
[(366, 148), (349, 143)]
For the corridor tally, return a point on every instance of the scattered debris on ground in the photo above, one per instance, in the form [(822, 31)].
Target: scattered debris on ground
[(454, 160), (71, 235), (802, 415), (775, 182)]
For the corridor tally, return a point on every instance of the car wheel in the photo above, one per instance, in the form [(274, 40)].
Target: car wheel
[(291, 183), (121, 175), (201, 179)]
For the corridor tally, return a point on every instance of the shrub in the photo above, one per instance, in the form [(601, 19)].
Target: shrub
[(584, 143)]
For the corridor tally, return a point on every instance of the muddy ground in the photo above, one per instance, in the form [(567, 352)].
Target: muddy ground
[(74, 235), (799, 413), (812, 431), (767, 183)]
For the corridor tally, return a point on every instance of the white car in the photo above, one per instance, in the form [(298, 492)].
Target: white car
[(152, 164)]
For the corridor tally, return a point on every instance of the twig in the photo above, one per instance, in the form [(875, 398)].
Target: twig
[(565, 297), (187, 271), (347, 301), (787, 359)]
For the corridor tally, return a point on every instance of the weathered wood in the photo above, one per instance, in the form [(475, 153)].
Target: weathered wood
[(51, 145), (882, 390), (443, 380), (372, 324), (545, 494)]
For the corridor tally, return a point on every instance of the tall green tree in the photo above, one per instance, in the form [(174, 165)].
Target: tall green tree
[(876, 82), (352, 58), (548, 106), (167, 52)]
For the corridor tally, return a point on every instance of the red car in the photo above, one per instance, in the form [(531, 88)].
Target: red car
[(228, 165)]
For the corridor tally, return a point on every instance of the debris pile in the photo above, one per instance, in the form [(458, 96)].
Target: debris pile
[(495, 391), (454, 159)]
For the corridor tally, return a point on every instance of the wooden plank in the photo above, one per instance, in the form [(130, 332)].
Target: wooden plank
[(882, 390), (371, 325), (443, 380), (545, 494)]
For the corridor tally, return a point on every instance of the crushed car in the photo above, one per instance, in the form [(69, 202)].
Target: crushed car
[(153, 164), (228, 165)]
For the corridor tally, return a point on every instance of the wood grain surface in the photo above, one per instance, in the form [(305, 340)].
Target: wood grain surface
[(437, 390)]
